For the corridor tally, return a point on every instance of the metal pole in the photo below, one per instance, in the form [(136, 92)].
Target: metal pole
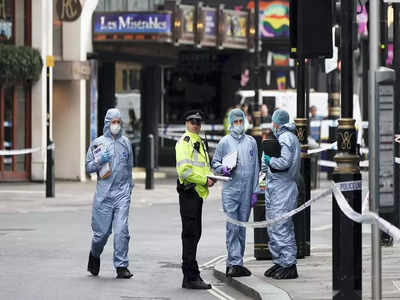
[(396, 117), (50, 184), (301, 89), (373, 139), (307, 163), (347, 235), (257, 114)]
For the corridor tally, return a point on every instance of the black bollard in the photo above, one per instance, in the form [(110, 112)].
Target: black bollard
[(150, 162)]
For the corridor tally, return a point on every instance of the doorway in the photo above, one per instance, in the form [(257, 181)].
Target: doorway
[(15, 131)]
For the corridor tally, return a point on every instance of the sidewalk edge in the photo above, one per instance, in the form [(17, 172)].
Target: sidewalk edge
[(252, 286)]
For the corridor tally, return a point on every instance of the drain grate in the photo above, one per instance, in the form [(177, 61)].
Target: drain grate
[(143, 298)]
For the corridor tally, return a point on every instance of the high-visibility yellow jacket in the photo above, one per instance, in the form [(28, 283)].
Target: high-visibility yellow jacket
[(193, 166)]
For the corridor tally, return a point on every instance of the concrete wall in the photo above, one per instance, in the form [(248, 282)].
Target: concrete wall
[(70, 100), (42, 33)]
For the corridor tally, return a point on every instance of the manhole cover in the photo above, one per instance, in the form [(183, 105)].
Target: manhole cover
[(169, 265)]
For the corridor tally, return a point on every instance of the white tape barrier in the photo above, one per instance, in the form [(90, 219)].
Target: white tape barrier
[(177, 138), (365, 204), (24, 151), (281, 218), (332, 164), (365, 218), (323, 147)]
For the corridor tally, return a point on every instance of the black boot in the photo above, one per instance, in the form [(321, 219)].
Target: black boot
[(93, 264), (271, 271), (238, 271), (286, 273), (197, 284), (123, 272)]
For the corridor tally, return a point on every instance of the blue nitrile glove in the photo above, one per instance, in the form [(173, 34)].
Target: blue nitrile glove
[(267, 159), (253, 199), (226, 171), (106, 157)]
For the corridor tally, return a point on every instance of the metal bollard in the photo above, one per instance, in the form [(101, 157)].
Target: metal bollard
[(150, 162), (50, 182)]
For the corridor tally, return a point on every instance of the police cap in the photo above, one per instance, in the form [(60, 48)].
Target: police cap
[(194, 114)]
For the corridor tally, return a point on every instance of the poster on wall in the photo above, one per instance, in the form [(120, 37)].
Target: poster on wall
[(235, 29), (188, 15), (6, 21)]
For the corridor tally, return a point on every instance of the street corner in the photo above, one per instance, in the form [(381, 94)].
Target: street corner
[(254, 286)]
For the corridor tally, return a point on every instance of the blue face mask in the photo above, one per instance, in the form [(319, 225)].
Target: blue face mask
[(238, 130)]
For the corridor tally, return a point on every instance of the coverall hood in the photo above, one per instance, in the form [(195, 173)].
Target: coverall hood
[(286, 127), (234, 115), (112, 113), (280, 117)]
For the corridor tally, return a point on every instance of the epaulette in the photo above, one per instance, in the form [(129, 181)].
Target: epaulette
[(186, 139)]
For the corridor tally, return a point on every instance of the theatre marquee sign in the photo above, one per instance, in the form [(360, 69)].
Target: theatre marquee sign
[(143, 26)]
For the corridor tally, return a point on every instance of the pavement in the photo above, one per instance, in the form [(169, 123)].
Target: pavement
[(315, 271)]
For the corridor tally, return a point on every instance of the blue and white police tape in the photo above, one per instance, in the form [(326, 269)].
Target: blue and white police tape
[(24, 151), (177, 138), (282, 218), (167, 128), (179, 134)]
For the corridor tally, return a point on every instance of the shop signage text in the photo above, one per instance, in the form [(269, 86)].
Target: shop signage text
[(132, 23), (69, 10)]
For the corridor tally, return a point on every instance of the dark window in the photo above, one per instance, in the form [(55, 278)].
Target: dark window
[(124, 80)]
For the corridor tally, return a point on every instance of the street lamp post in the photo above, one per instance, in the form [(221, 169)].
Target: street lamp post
[(302, 134), (396, 117), (346, 239)]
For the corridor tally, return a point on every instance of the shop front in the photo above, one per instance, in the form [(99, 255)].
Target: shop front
[(15, 97)]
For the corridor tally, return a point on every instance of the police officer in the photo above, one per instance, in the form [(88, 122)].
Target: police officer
[(193, 166)]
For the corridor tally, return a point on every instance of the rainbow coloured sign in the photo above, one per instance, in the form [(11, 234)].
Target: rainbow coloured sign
[(274, 18)]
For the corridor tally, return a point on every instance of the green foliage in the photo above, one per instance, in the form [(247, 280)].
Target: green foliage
[(19, 64)]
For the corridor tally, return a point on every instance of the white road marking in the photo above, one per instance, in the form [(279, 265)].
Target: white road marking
[(214, 260), (396, 284), (22, 192), (216, 292)]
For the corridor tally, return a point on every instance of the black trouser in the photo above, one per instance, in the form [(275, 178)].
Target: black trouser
[(190, 207)]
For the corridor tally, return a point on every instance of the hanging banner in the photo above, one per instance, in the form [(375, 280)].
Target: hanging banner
[(210, 32)]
